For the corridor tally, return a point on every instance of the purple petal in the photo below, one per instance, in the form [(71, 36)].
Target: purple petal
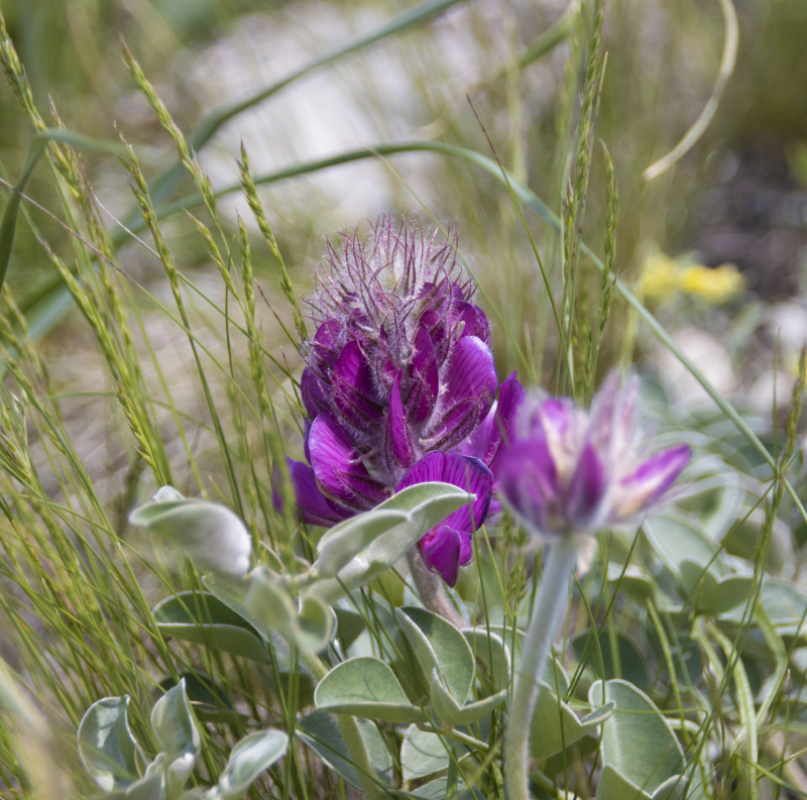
[(552, 418), (313, 505), (424, 378), (470, 387), (469, 474), (474, 477), (398, 440), (338, 468), (353, 390), (528, 480), (306, 434), (434, 324), (440, 549), (471, 372), (313, 392), (608, 411), (586, 490), (324, 345), (474, 321), (653, 478), (498, 429)]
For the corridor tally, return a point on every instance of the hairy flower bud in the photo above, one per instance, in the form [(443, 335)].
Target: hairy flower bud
[(571, 471), (400, 367)]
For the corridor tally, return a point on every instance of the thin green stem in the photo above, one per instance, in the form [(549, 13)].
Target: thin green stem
[(546, 617), (349, 729)]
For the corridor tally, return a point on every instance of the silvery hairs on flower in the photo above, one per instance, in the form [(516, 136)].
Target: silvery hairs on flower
[(399, 385), (571, 471)]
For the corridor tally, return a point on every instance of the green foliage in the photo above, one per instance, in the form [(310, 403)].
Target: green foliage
[(284, 661)]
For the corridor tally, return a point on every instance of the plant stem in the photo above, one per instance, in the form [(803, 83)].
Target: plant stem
[(349, 729), (430, 589), (549, 611)]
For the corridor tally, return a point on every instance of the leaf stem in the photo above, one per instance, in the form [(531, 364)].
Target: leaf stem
[(349, 729), (430, 589), (547, 615)]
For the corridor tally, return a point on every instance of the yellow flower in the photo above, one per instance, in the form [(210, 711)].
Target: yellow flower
[(664, 277), (660, 277), (716, 286)]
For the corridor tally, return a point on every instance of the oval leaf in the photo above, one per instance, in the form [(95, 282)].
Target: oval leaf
[(106, 745), (422, 753), (489, 648), (321, 733), (366, 687), (210, 534), (424, 504), (447, 708), (202, 618), (439, 645), (637, 742), (177, 734), (248, 759)]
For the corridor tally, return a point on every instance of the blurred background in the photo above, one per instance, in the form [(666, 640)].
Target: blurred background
[(716, 246)]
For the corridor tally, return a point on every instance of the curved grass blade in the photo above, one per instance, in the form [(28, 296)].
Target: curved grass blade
[(731, 43), (523, 193), (40, 141)]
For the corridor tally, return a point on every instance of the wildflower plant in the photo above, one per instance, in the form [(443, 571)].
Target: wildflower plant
[(333, 551), (567, 475), (400, 386)]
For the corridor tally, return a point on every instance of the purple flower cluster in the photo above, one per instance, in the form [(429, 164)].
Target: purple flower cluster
[(573, 472), (400, 386)]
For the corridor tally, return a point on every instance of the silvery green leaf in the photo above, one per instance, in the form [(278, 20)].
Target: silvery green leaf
[(422, 753), (204, 619), (447, 708), (106, 744), (321, 733), (313, 625), (489, 648), (709, 594), (210, 534), (177, 735), (437, 644), (269, 603), (423, 506), (345, 540), (637, 741), (248, 759), (366, 687), (151, 786)]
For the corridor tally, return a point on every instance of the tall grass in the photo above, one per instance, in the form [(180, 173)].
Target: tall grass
[(188, 321)]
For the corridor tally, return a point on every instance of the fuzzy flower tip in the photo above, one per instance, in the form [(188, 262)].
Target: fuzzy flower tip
[(571, 471), (400, 386)]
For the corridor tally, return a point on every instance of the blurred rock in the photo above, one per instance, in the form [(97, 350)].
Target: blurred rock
[(754, 217), (708, 355)]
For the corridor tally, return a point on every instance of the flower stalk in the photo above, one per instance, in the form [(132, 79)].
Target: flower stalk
[(549, 611)]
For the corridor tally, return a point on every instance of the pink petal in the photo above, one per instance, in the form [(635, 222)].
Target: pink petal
[(498, 429), (313, 392), (653, 478), (474, 320)]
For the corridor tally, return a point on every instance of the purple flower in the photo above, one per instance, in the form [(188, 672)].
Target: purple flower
[(571, 471), (400, 385)]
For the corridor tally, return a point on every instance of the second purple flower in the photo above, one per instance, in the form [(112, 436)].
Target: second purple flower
[(399, 368)]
